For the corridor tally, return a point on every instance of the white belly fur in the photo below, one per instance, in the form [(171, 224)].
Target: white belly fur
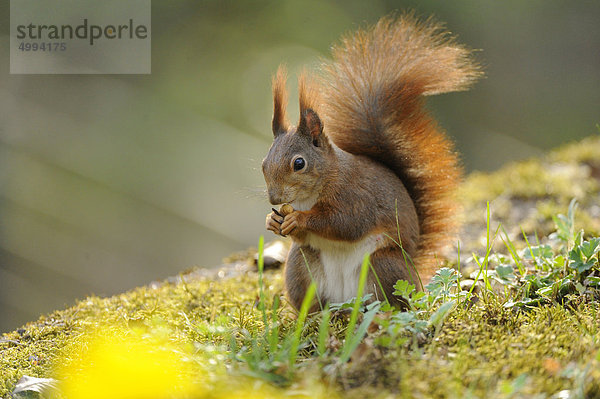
[(341, 265)]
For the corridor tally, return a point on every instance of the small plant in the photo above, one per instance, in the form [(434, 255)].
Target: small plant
[(263, 343), (521, 279), (273, 353), (425, 309), (549, 275)]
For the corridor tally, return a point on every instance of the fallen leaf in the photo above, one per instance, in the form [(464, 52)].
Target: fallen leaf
[(33, 384)]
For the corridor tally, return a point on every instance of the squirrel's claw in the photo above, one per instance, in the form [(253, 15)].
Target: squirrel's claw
[(273, 223), (290, 223)]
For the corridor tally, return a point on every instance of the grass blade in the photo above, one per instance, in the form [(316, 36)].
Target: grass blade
[(261, 289), (379, 284), (308, 298), (323, 331), (352, 342), (362, 280)]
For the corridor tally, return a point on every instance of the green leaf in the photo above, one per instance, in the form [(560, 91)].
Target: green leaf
[(500, 259), (565, 225), (446, 275), (418, 296), (438, 317), (403, 288), (353, 339), (505, 273), (538, 252), (401, 321), (33, 387), (565, 286), (590, 248), (349, 304), (559, 262), (579, 261), (546, 291), (444, 278), (524, 303), (592, 281)]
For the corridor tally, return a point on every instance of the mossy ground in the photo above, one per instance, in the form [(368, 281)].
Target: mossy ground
[(482, 350), (525, 195)]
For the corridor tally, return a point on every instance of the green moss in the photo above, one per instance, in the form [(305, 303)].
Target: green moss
[(482, 350), (524, 196), (584, 151), (184, 308), (563, 174)]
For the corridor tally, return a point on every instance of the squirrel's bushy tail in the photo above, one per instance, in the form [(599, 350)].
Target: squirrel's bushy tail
[(373, 106)]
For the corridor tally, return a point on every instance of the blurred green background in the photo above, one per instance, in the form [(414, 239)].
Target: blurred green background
[(111, 181)]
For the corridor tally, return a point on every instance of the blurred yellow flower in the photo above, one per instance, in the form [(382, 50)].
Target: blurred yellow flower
[(113, 364), (127, 367)]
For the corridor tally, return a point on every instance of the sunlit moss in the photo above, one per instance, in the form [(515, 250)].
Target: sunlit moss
[(179, 338), (582, 151), (524, 196), (146, 364)]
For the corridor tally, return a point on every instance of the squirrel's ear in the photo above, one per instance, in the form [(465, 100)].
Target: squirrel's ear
[(311, 124), (280, 123)]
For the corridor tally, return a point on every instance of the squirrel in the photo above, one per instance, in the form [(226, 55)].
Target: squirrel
[(367, 170)]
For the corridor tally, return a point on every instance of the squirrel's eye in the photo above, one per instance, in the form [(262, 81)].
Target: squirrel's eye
[(299, 164)]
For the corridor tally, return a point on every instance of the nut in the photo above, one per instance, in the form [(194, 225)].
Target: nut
[(286, 209)]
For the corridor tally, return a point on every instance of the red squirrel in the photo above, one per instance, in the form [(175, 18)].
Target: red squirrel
[(367, 170)]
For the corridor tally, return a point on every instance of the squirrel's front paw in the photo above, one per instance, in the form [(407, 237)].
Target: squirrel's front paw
[(274, 222), (291, 223)]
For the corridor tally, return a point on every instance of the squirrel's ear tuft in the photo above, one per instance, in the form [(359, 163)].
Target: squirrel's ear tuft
[(311, 124), (280, 123)]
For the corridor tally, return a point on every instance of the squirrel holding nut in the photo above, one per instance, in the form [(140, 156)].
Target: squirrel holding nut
[(367, 170)]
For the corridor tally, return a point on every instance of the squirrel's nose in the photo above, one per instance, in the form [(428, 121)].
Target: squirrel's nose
[(275, 198)]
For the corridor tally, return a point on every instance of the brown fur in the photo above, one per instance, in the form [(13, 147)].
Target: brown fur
[(296, 283), (373, 107), (308, 93), (280, 97), (378, 171)]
